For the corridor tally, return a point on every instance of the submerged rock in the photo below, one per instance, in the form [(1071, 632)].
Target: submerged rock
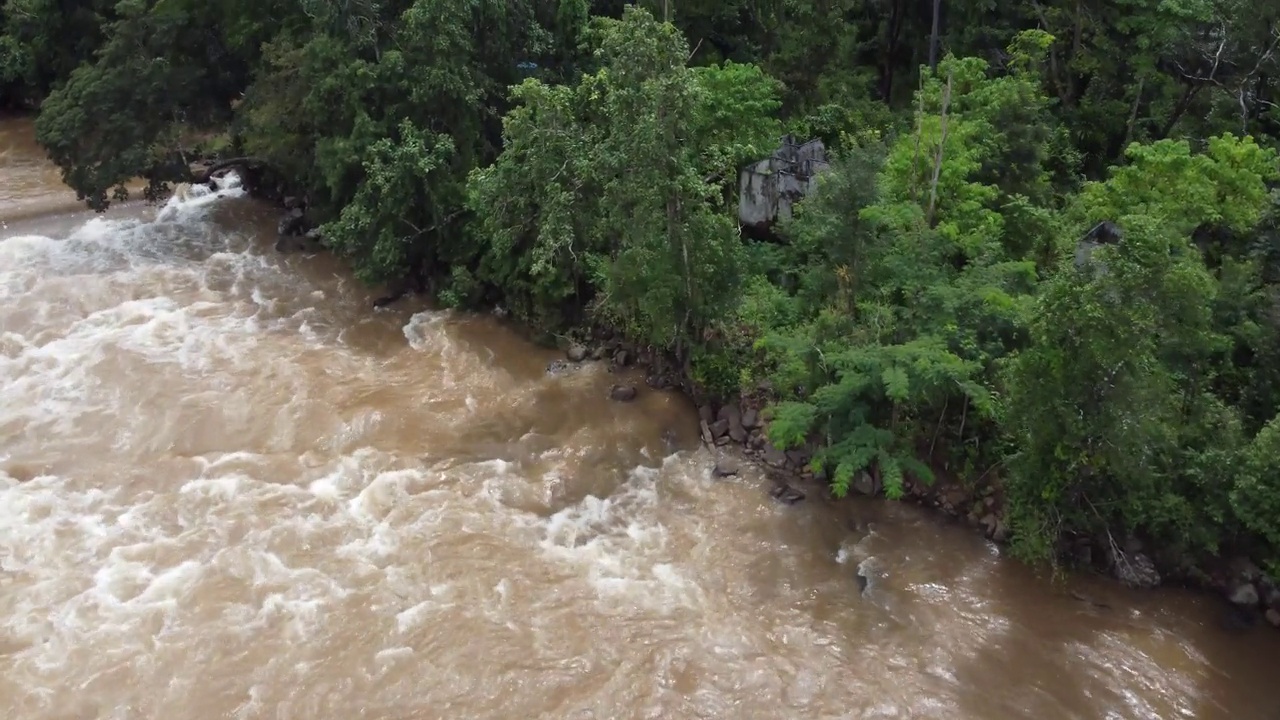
[(786, 494), (622, 393), (293, 223), (726, 467), (1238, 618), (561, 367), (670, 441)]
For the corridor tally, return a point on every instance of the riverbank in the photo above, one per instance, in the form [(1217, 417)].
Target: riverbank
[(736, 430)]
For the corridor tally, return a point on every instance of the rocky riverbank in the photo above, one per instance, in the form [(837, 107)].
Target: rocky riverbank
[(736, 431)]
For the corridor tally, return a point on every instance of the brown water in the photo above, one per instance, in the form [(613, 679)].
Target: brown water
[(230, 490)]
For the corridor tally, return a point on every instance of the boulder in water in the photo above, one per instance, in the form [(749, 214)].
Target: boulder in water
[(560, 367), (726, 467), (1135, 570), (1244, 594), (622, 393), (292, 224), (865, 484), (786, 494), (576, 353)]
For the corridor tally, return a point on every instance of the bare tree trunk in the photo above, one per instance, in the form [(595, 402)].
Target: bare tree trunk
[(937, 158), (893, 33), (1133, 115)]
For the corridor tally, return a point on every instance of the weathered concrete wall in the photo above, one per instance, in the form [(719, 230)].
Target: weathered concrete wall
[(768, 189)]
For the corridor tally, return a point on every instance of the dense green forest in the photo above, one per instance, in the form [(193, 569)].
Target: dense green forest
[(931, 308)]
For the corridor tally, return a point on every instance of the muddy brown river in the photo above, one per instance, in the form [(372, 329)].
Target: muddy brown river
[(229, 489)]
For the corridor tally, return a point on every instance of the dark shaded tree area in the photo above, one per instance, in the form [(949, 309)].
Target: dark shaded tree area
[(939, 304)]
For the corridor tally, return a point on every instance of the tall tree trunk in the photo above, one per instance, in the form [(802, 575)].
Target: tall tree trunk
[(937, 159), (933, 37), (889, 55)]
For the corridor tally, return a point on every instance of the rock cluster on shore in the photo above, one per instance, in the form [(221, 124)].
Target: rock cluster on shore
[(736, 431)]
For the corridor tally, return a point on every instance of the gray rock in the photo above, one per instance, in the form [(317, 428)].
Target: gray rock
[(798, 458), (773, 456), (865, 484), (1135, 570), (622, 393), (1273, 617), (292, 224), (726, 467), (786, 494), (576, 353), (1001, 533), (707, 437), (719, 428), (989, 524), (751, 419), (733, 416), (1244, 594)]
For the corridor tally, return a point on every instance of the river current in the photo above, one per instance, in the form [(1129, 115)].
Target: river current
[(231, 489)]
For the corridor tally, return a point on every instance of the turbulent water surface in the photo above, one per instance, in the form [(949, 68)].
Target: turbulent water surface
[(228, 489)]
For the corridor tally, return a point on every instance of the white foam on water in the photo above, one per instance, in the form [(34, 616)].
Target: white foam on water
[(238, 550), (190, 200), (621, 544)]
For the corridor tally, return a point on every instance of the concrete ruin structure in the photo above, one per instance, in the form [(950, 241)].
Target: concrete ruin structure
[(768, 189)]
